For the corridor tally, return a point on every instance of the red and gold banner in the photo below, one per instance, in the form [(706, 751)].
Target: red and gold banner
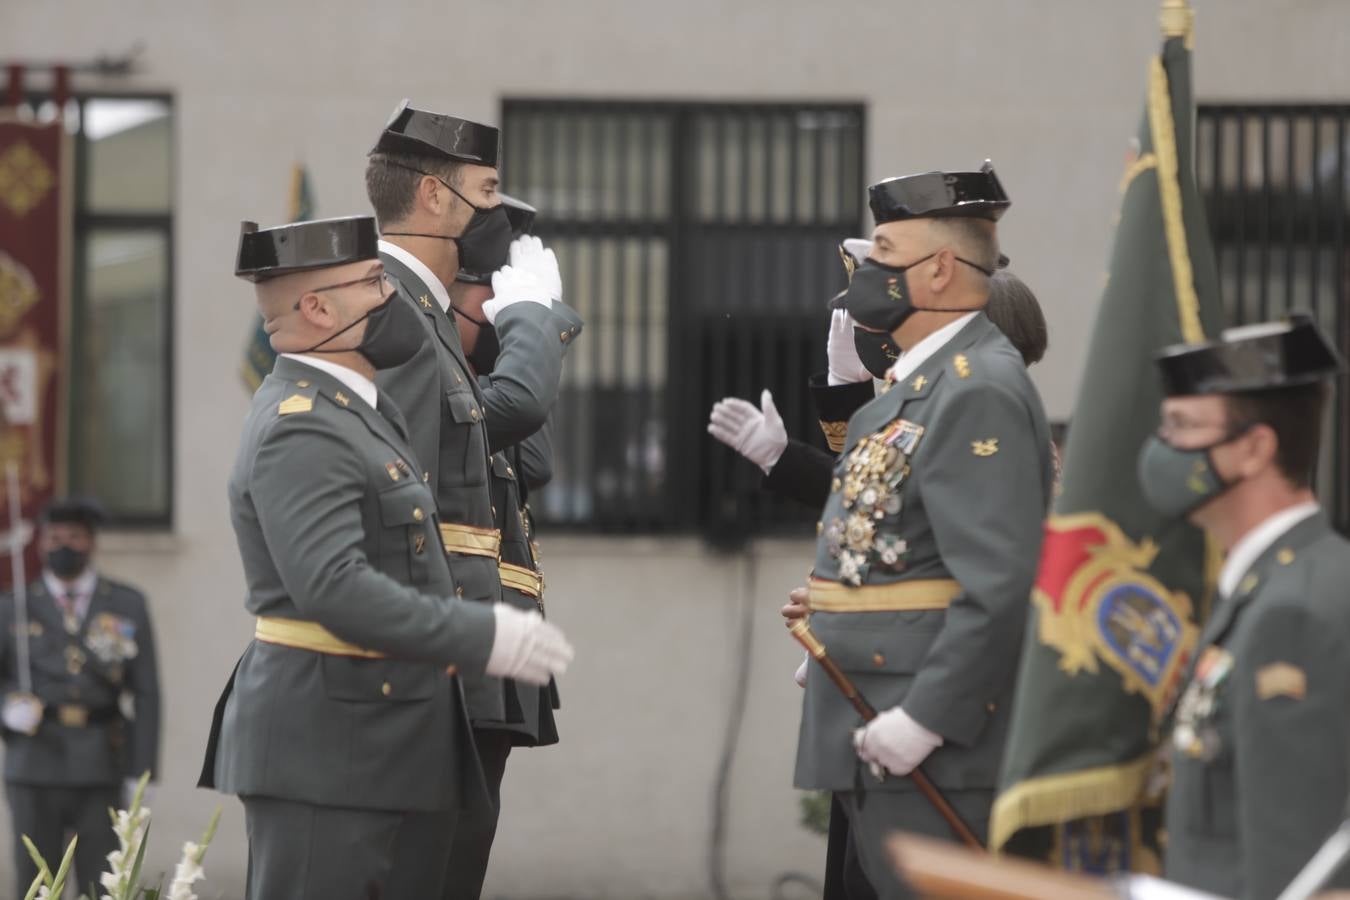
[(35, 211)]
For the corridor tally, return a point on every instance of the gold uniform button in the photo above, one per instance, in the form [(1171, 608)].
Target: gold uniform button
[(878, 660), (426, 477), (386, 689), (418, 515), (473, 414), (509, 472), (1285, 556), (459, 590)]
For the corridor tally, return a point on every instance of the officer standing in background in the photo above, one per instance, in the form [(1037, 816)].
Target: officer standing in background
[(71, 747), (343, 728), (1261, 735), (516, 470), (432, 180), (931, 534)]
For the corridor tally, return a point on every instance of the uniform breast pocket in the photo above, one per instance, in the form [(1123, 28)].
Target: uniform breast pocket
[(407, 534), (463, 445)]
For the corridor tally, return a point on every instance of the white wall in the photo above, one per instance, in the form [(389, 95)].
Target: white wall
[(1050, 89)]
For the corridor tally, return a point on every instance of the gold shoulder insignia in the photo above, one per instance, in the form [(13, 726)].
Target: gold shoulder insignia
[(1285, 556), (1281, 679), (342, 398), (295, 403), (425, 301), (962, 365), (918, 382), (984, 448), (1248, 584)]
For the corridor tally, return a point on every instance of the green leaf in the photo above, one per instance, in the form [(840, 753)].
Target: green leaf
[(208, 836), (37, 884), (44, 873), (59, 884), (135, 881)]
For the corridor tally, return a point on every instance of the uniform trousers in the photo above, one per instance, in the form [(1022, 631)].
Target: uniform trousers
[(299, 851), (48, 814), (467, 867)]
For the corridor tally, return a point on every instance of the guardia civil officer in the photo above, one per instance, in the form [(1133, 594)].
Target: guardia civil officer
[(1261, 734), (432, 180), (527, 719), (931, 533), (343, 728), (88, 724)]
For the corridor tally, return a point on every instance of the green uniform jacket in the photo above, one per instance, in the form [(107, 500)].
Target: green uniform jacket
[(455, 425), (1261, 739), (963, 496), (336, 526), (112, 654)]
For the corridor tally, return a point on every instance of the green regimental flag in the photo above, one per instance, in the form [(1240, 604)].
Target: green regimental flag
[(258, 353), (1120, 591)]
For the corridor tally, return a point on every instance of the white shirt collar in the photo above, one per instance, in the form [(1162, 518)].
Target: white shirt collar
[(361, 386), (1257, 541), (419, 269), (920, 353), (82, 588)]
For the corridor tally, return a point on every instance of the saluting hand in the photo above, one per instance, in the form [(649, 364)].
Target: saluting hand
[(845, 366), (756, 434)]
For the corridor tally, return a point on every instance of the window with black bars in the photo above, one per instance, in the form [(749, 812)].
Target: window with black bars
[(699, 243), (1276, 182), (121, 401)]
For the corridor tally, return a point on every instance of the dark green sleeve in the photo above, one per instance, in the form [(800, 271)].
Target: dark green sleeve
[(143, 681), (311, 518), (986, 511), (523, 384), (1291, 753), (534, 457)]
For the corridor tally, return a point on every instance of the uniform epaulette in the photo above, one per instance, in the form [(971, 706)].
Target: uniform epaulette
[(299, 400)]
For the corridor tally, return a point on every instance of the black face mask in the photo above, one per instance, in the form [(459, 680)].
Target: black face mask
[(66, 562), (878, 294), (876, 349), (486, 349), (394, 334), (486, 239)]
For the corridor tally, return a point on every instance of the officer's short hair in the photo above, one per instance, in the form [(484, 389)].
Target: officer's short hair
[(392, 179), (1017, 313), (973, 239), (1295, 415)]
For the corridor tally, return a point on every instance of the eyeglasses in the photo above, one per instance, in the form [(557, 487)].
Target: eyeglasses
[(1173, 426), (380, 282)]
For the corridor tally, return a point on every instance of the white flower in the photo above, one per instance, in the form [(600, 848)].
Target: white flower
[(189, 870)]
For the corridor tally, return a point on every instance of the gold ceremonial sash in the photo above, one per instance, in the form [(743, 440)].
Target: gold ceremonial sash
[(527, 581), (471, 541), (307, 636), (916, 595)]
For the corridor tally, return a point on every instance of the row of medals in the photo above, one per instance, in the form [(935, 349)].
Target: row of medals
[(871, 491)]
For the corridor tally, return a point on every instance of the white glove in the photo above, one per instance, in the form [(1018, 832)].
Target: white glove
[(22, 713), (756, 434), (895, 742), (528, 254), (845, 366), (511, 285), (858, 248), (527, 648), (799, 676)]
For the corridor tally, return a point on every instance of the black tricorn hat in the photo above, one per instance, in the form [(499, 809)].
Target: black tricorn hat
[(84, 511), (932, 195), (421, 133), (302, 246), (521, 216), (1251, 358)]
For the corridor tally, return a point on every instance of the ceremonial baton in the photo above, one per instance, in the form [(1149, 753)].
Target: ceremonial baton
[(807, 638)]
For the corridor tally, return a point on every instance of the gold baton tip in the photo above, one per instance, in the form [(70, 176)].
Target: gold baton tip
[(803, 633)]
